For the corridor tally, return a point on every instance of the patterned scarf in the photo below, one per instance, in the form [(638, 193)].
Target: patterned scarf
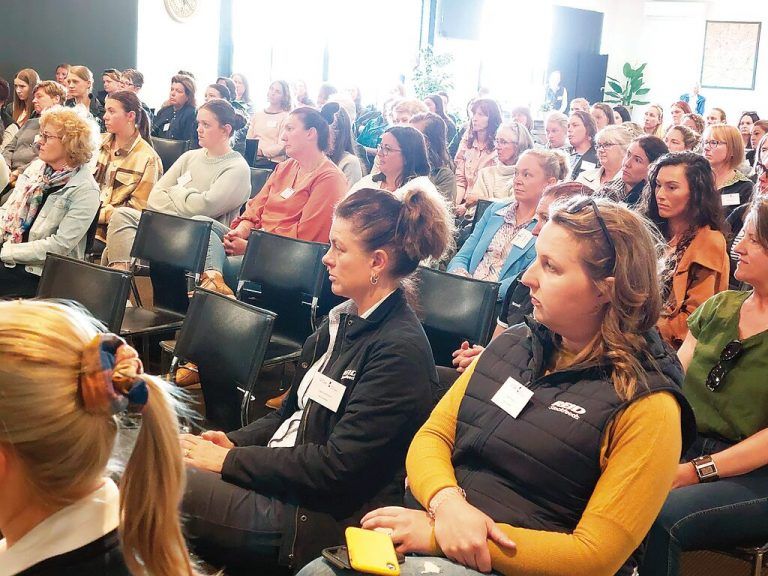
[(28, 197), (669, 267)]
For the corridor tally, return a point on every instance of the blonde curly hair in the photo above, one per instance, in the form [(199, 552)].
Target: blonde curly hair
[(79, 133)]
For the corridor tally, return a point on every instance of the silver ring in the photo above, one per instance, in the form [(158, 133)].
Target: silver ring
[(186, 453)]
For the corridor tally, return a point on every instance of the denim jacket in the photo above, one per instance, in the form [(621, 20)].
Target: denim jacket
[(60, 226)]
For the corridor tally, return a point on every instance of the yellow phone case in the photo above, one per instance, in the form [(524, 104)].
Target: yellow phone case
[(371, 552)]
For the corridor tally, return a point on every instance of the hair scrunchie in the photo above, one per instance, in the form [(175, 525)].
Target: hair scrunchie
[(110, 377)]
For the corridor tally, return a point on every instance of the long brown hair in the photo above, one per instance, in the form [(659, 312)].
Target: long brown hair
[(634, 299), (31, 78), (65, 447)]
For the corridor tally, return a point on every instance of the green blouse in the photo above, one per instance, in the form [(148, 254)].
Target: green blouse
[(739, 408)]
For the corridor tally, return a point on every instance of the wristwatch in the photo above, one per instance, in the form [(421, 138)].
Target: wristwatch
[(706, 469)]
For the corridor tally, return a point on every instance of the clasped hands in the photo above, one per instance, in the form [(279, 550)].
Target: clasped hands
[(206, 451), (236, 240)]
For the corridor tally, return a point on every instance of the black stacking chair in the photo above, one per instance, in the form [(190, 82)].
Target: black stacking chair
[(174, 249), (102, 291), (284, 275), (169, 150), (482, 206), (259, 177), (90, 237), (453, 309), (227, 340)]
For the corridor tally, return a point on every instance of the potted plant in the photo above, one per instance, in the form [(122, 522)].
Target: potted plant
[(430, 74), (628, 94)]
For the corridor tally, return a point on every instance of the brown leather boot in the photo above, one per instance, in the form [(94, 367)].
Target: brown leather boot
[(213, 280), (186, 375), (277, 401)]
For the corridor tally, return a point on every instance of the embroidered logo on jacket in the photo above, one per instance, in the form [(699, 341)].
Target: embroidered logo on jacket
[(567, 408), (349, 375)]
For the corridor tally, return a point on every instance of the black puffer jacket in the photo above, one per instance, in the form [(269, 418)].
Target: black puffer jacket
[(349, 462)]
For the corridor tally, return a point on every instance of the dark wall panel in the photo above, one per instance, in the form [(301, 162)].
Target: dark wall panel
[(40, 34), (576, 37)]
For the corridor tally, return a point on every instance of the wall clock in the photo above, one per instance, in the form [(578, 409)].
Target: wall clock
[(181, 10)]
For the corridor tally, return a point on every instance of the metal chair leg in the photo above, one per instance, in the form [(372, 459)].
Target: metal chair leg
[(757, 566)]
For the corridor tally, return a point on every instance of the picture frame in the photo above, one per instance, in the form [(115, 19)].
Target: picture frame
[(729, 59)]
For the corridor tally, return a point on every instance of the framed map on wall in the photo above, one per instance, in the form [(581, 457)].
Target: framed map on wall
[(730, 55)]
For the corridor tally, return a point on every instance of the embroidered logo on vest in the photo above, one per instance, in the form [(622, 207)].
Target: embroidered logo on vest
[(567, 408), (349, 375)]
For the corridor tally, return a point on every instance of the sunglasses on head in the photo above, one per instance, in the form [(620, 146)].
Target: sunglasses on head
[(577, 207), (719, 371)]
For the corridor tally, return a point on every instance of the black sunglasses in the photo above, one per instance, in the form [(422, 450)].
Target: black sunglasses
[(719, 371), (579, 206)]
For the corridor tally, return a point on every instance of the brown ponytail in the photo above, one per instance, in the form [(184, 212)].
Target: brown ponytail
[(412, 228), (131, 103)]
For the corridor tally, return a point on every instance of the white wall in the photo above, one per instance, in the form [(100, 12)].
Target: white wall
[(166, 46)]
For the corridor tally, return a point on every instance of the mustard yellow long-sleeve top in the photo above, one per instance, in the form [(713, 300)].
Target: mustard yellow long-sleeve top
[(638, 458)]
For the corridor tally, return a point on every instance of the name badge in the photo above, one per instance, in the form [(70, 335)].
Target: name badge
[(731, 199), (271, 123), (184, 179), (522, 238), (166, 126), (287, 193), (326, 392), (512, 397), (585, 165)]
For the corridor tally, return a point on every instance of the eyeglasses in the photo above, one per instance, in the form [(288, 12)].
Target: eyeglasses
[(604, 145), (579, 206), (713, 143), (502, 142), (386, 150), (127, 83), (719, 371), (43, 137)]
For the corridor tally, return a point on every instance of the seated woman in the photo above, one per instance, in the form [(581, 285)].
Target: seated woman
[(60, 512), (342, 148), (602, 114), (677, 111), (289, 483), (759, 129), (127, 167), (581, 136), (477, 149), (79, 92), (220, 90), (442, 170), (214, 181), (267, 124), (627, 186), (401, 156), (177, 120), (680, 138), (502, 245), (653, 120), (695, 122), (497, 182), (21, 150), (556, 128), (724, 149), (683, 203), (746, 121), (553, 454), (22, 108), (522, 115), (720, 495), (611, 145), (242, 93), (296, 201), (436, 105), (53, 203), (621, 114)]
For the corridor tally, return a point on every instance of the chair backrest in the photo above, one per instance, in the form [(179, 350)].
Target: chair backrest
[(482, 206), (259, 177), (90, 235), (169, 150), (453, 309), (284, 275), (173, 246), (227, 339), (102, 291)]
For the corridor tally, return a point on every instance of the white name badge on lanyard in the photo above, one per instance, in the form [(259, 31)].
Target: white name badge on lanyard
[(271, 123), (166, 126), (586, 165), (287, 193), (522, 238), (731, 199), (512, 397), (326, 392)]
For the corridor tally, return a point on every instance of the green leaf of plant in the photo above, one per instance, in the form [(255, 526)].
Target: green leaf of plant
[(641, 68), (615, 86), (642, 91), (640, 102), (627, 70)]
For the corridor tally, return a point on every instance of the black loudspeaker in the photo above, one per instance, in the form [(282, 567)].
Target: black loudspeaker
[(575, 51), (460, 19)]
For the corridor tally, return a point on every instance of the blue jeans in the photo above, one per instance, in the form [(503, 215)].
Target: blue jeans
[(413, 566), (722, 514), (217, 259)]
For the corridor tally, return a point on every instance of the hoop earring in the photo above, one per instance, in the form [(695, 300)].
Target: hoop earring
[(374, 279)]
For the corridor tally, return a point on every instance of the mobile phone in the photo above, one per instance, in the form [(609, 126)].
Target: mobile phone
[(337, 556), (371, 552)]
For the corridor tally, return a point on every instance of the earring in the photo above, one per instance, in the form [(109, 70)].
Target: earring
[(374, 279)]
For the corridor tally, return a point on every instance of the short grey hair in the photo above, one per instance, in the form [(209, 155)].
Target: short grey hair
[(558, 117), (615, 134)]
